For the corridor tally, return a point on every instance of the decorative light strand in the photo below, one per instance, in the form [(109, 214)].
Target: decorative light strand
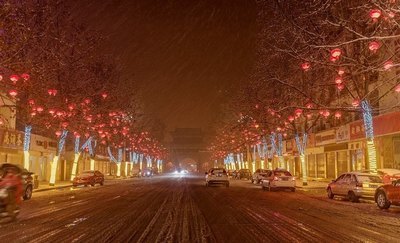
[(77, 141), (61, 143), (112, 158), (368, 122), (27, 137)]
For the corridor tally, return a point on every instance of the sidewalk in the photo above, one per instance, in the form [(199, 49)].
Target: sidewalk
[(44, 185), (312, 184)]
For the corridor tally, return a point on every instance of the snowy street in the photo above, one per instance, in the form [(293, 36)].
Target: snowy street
[(182, 209)]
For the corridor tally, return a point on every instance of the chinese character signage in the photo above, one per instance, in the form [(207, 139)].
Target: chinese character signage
[(11, 139), (343, 133)]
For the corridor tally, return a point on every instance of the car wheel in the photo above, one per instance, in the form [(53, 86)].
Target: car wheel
[(102, 183), (293, 189), (93, 182), (382, 201), (330, 193), (28, 193), (352, 197), (252, 181), (207, 184), (269, 187)]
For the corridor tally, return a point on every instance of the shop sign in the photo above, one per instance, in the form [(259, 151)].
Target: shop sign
[(11, 139), (42, 144), (383, 124), (357, 130), (387, 123), (325, 137), (343, 134)]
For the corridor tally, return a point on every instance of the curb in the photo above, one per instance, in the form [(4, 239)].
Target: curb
[(313, 188), (51, 188)]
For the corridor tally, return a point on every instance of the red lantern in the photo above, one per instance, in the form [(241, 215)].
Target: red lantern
[(340, 87), (14, 78), (391, 14), (309, 105), (355, 103), (326, 113), (375, 14), (71, 107), (298, 112), (25, 76), (13, 93), (59, 113), (338, 80), (291, 118), (256, 126), (52, 92), (31, 102), (87, 101), (333, 59), (374, 46), (388, 65), (338, 114), (335, 53), (39, 109), (305, 66), (104, 95), (52, 111), (58, 133), (397, 89), (77, 135), (341, 71), (64, 124), (33, 113)]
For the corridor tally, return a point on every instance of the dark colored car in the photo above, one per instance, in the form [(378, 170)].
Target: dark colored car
[(244, 174), (26, 176), (388, 194), (148, 172), (89, 177)]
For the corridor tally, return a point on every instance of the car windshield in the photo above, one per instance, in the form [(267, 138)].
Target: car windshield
[(219, 171), (282, 173), (369, 178), (86, 173)]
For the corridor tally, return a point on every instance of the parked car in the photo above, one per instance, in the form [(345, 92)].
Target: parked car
[(232, 174), (279, 179), (387, 195), (354, 185), (217, 176), (244, 174), (259, 175), (389, 175), (89, 177), (26, 176), (148, 172)]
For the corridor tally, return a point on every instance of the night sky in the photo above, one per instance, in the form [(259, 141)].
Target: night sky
[(186, 55)]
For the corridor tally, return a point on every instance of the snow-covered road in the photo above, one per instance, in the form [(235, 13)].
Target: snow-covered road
[(182, 209)]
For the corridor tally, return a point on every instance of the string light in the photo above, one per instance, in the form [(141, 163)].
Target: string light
[(366, 110), (27, 137)]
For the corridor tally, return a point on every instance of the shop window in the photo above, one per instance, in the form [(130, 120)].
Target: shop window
[(311, 165), (330, 164), (342, 162), (321, 168)]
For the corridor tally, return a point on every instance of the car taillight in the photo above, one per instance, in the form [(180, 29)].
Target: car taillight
[(276, 178), (293, 178)]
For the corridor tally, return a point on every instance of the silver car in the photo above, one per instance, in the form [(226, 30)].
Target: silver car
[(354, 185), (259, 175), (217, 176), (279, 179)]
